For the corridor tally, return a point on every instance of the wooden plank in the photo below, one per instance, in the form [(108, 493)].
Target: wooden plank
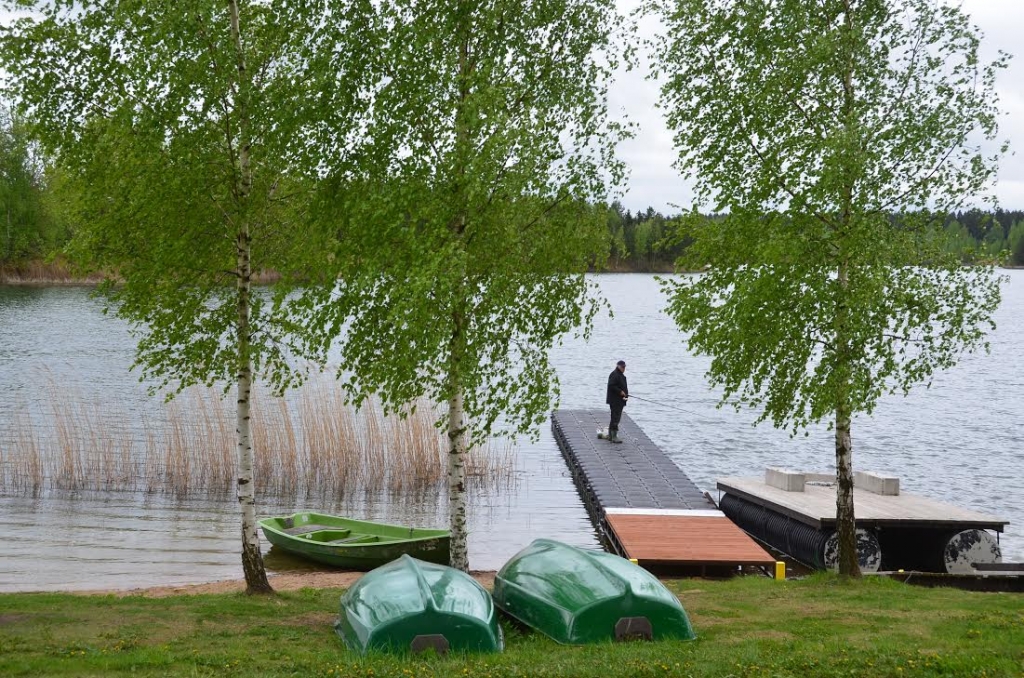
[(686, 540), (816, 506)]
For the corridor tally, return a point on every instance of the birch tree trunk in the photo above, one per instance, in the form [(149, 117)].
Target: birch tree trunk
[(459, 558), (846, 524), (252, 559), (457, 480)]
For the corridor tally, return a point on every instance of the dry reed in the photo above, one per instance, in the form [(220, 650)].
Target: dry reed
[(308, 444), (23, 462), (40, 272)]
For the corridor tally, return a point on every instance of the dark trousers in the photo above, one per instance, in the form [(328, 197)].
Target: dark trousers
[(616, 415)]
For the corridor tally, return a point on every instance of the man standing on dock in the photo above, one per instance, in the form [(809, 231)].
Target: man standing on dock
[(618, 392)]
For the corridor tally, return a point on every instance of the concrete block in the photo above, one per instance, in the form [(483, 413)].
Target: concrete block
[(784, 479), (877, 483)]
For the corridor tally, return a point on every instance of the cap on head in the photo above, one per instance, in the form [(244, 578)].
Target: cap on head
[(621, 363)]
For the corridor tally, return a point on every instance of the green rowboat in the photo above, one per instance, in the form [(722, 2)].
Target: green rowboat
[(576, 596), (353, 544), (411, 606)]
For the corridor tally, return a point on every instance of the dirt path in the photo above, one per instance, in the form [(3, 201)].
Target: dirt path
[(280, 582)]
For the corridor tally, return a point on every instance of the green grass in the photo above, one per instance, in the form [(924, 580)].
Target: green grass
[(747, 627)]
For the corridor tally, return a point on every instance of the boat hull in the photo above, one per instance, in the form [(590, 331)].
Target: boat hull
[(353, 544), (576, 596), (412, 606)]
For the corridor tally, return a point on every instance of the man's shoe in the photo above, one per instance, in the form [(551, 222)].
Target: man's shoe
[(613, 437)]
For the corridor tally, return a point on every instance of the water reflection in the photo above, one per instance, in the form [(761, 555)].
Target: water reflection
[(123, 540), (954, 442)]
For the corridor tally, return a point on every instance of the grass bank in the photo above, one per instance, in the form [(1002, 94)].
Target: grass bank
[(748, 627)]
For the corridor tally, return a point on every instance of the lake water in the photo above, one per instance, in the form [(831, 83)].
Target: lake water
[(955, 442)]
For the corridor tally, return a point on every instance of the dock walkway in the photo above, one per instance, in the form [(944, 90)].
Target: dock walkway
[(815, 505), (643, 504)]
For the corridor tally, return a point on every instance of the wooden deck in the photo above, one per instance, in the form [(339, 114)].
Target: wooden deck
[(816, 506), (685, 540), (643, 504)]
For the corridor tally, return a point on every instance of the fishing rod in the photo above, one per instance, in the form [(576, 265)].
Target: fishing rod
[(654, 402)]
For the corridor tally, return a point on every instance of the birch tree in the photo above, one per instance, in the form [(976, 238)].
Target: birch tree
[(837, 135), (471, 220), (177, 124)]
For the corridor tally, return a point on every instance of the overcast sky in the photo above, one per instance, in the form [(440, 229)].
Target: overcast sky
[(654, 182)]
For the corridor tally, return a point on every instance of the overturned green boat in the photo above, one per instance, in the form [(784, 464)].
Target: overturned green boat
[(576, 596), (412, 606), (353, 544)]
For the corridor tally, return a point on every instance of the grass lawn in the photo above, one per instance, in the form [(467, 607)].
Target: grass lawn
[(820, 626)]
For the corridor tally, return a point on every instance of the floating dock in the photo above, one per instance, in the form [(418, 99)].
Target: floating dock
[(795, 512), (643, 504)]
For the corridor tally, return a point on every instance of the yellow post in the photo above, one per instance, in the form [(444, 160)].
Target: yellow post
[(780, 570), (634, 561)]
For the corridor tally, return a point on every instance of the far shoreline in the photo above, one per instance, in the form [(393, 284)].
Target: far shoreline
[(38, 274)]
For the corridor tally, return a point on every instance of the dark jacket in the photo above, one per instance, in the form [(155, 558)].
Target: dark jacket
[(616, 386)]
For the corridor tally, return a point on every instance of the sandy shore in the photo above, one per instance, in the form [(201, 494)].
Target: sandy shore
[(280, 582)]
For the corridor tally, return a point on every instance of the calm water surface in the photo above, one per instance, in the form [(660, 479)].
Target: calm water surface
[(956, 442)]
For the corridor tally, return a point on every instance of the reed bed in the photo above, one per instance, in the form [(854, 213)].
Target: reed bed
[(310, 443), (42, 272), (23, 461)]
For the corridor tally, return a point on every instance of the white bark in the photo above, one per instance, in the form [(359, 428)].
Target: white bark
[(456, 410), (457, 482), (846, 526), (252, 559)]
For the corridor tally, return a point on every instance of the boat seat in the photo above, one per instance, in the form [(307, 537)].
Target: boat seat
[(309, 527), (358, 539)]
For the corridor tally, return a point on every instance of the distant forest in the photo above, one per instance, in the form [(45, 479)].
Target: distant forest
[(646, 241), (34, 226)]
